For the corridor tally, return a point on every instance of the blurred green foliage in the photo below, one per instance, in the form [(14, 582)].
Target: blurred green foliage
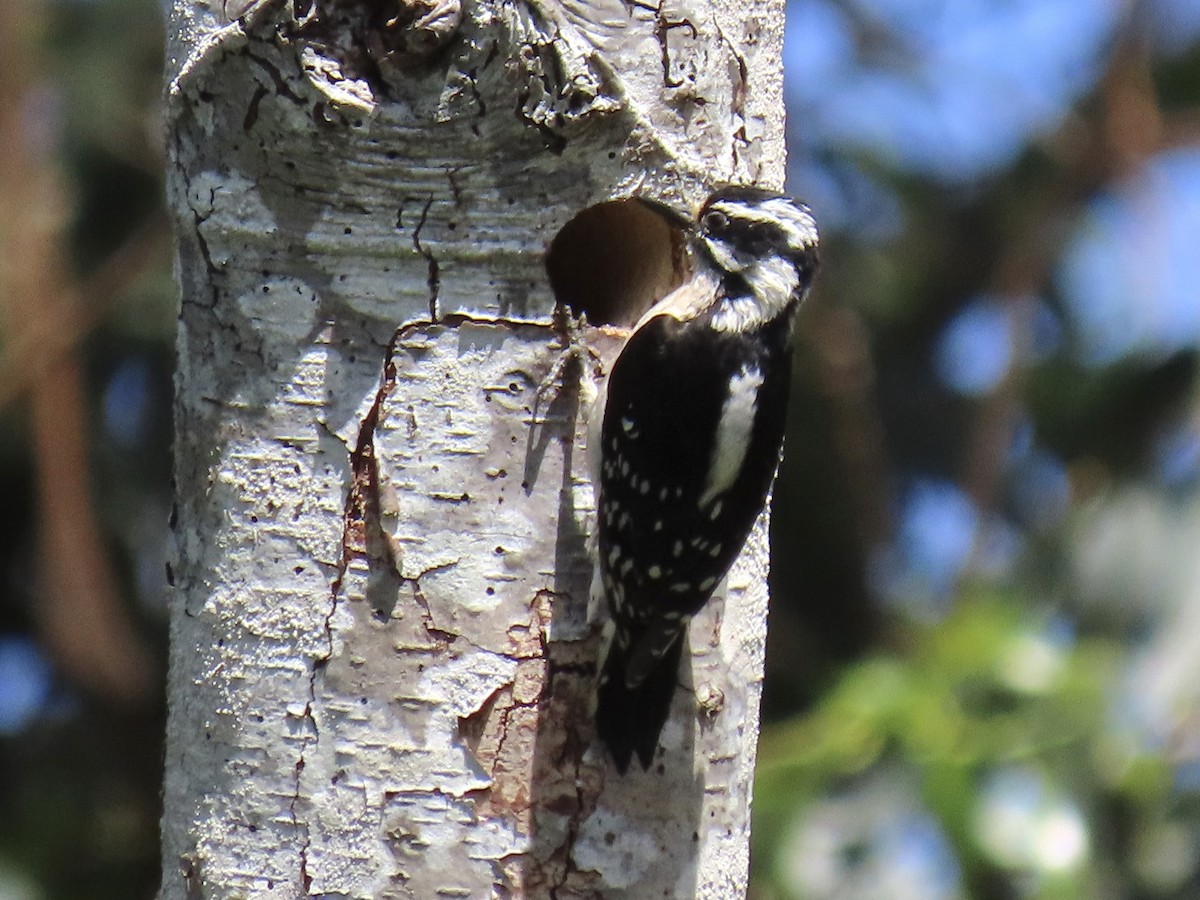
[(988, 687)]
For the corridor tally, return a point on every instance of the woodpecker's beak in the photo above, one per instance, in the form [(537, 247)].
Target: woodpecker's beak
[(673, 217)]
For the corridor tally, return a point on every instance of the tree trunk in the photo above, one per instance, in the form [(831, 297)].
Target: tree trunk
[(381, 659)]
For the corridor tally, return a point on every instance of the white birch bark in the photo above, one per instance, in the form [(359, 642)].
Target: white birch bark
[(381, 664)]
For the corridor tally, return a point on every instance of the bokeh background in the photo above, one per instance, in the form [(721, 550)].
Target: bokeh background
[(984, 662)]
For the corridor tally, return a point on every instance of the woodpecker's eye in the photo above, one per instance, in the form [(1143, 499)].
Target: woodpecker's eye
[(714, 221)]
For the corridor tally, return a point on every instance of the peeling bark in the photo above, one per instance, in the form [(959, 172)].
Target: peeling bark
[(382, 661)]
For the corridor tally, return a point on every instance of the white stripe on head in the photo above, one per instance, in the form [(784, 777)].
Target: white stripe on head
[(797, 222), (727, 256)]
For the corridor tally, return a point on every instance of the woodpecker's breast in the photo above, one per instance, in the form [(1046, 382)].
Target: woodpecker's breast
[(690, 439)]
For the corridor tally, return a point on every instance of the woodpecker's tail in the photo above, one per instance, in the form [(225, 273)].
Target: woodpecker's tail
[(629, 720)]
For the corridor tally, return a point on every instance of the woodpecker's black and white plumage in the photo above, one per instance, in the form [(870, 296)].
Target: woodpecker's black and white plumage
[(685, 442)]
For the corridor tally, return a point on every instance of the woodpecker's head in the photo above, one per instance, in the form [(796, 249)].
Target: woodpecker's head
[(741, 227), (760, 245)]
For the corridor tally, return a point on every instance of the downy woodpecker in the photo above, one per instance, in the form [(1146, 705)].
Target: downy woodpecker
[(685, 441)]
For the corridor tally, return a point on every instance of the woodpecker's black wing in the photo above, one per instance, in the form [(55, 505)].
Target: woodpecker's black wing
[(692, 429)]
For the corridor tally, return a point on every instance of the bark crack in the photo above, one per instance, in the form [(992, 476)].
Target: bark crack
[(662, 29), (198, 219), (313, 735), (362, 525), (737, 102), (301, 828), (206, 255), (434, 280), (427, 622), (251, 116), (452, 179), (282, 88)]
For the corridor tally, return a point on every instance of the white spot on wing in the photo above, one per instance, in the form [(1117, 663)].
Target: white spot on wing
[(733, 434)]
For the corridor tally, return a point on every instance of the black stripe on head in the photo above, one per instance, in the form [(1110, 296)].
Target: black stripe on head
[(741, 193)]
